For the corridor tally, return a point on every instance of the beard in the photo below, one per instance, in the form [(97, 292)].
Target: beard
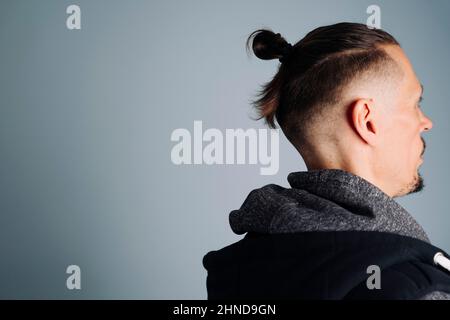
[(416, 185)]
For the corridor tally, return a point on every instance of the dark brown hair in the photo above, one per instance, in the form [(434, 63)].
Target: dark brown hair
[(314, 71)]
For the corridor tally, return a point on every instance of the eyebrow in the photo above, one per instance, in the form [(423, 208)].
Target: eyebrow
[(421, 93)]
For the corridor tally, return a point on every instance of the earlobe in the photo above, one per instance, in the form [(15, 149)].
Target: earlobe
[(363, 121)]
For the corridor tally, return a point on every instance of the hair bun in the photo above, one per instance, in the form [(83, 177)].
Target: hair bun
[(286, 51), (268, 45)]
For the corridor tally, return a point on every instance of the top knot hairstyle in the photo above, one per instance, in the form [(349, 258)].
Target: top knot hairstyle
[(314, 71)]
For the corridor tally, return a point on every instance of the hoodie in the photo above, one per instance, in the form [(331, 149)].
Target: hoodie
[(317, 240)]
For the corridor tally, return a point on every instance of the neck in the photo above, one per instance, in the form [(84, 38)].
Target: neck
[(353, 164)]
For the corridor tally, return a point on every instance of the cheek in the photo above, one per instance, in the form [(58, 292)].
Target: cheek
[(395, 139), (400, 145)]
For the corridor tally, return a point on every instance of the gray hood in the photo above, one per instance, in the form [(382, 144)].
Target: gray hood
[(323, 200)]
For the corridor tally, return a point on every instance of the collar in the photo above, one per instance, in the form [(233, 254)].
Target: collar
[(357, 195)]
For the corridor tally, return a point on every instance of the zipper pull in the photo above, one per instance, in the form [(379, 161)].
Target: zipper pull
[(440, 259)]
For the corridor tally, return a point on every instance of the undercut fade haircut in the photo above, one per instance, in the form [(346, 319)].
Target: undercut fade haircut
[(314, 72)]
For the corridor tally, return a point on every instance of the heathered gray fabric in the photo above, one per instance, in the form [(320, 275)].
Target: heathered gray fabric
[(325, 200), (436, 295)]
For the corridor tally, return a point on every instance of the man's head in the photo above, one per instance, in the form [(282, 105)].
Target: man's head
[(347, 97)]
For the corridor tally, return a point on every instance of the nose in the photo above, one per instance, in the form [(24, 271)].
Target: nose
[(427, 123)]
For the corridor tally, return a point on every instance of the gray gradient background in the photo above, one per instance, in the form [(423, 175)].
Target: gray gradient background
[(85, 124)]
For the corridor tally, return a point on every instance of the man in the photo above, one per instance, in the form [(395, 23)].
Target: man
[(348, 99)]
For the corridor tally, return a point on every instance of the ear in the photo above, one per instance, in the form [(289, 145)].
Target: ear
[(363, 121)]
